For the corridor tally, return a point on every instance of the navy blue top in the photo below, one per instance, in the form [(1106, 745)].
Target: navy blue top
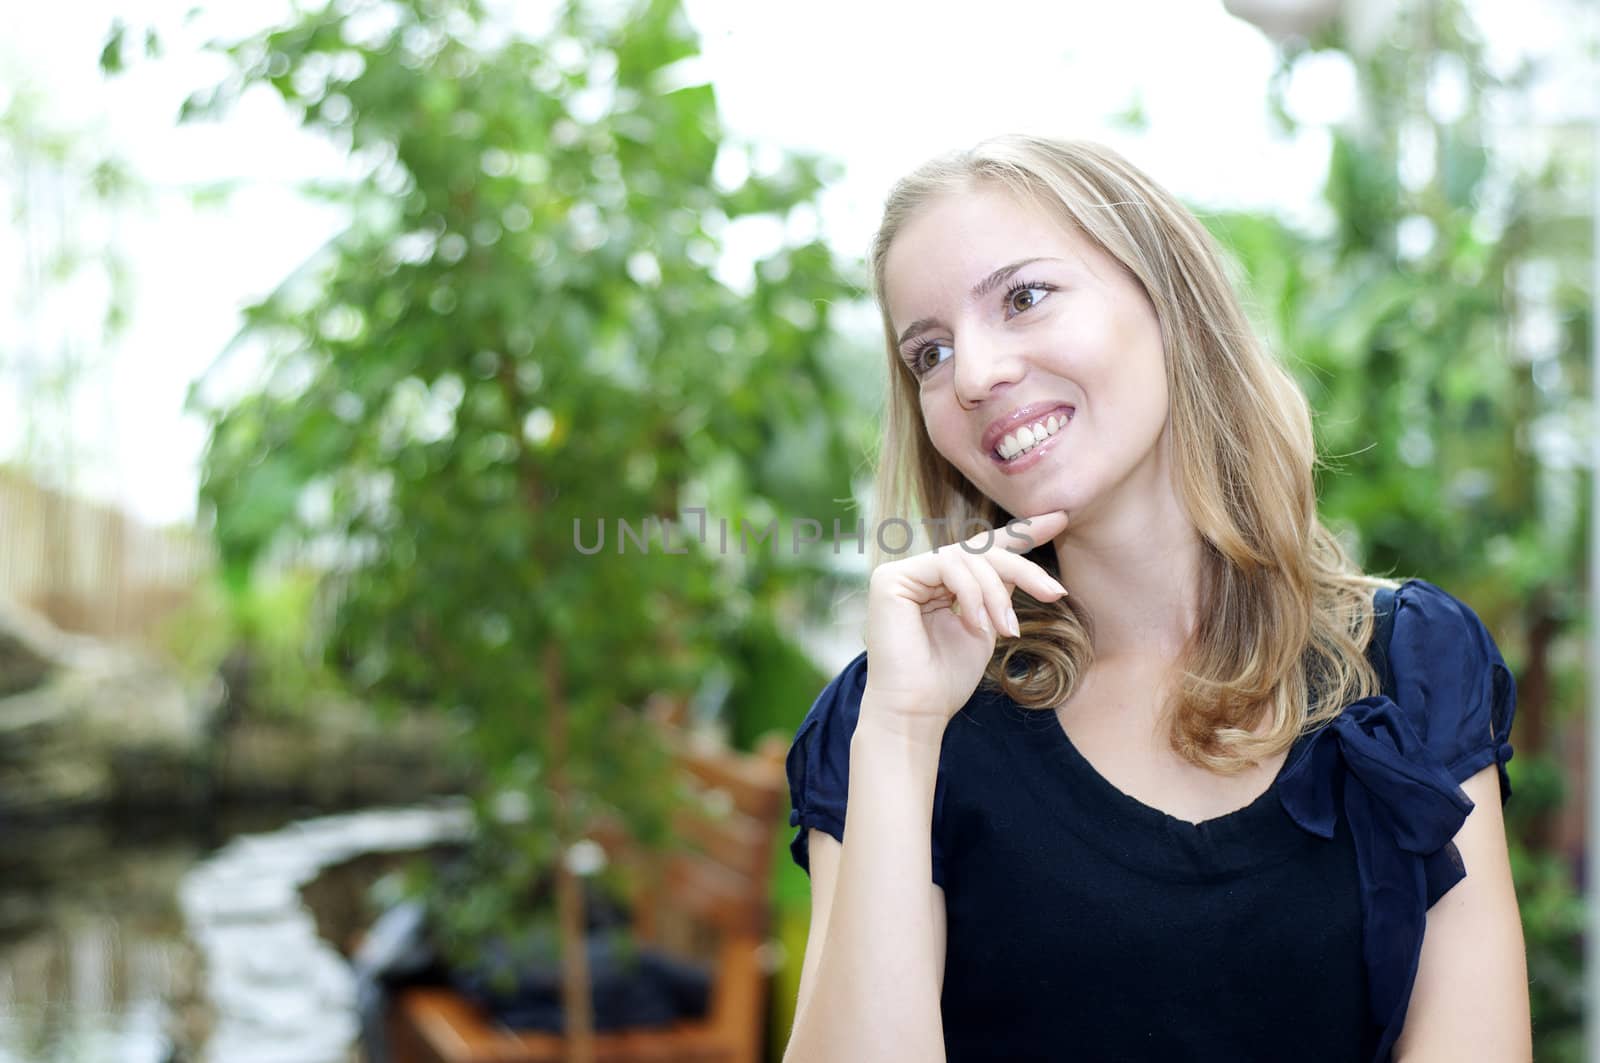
[(1078, 917)]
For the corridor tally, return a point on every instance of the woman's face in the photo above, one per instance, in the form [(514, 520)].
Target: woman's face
[(1011, 322)]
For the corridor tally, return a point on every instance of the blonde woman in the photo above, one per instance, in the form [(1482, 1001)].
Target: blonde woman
[(1152, 771)]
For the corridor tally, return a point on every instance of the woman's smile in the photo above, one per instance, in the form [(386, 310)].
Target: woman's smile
[(1027, 446)]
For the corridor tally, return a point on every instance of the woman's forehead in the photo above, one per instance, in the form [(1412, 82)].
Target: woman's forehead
[(953, 243)]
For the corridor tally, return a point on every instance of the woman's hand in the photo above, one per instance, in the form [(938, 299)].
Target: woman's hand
[(932, 620)]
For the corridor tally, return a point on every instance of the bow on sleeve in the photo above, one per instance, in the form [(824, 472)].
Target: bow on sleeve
[(1403, 809)]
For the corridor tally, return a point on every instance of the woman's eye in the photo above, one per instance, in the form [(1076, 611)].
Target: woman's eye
[(919, 357), (1022, 299)]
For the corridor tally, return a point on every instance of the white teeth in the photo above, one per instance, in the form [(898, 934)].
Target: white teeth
[(1028, 437)]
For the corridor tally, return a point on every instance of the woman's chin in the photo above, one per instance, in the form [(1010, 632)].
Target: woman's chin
[(1045, 502)]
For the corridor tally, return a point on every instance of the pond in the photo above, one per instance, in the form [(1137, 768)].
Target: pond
[(89, 932), (121, 943)]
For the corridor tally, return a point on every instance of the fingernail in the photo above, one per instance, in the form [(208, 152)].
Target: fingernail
[(1011, 619), (1057, 585)]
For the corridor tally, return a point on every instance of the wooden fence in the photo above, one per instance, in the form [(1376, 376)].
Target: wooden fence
[(89, 567)]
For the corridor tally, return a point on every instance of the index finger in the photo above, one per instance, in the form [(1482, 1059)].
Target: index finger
[(1025, 533)]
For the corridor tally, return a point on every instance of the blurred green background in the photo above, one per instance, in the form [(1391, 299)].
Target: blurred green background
[(523, 331)]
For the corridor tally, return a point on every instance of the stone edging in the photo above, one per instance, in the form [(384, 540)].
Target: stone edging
[(276, 991)]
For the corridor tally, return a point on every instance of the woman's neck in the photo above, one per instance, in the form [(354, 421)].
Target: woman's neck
[(1138, 574)]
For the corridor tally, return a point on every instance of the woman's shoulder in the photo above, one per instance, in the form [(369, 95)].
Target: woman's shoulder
[(839, 703), (1450, 679), (1443, 715), (818, 766), (818, 762), (831, 721)]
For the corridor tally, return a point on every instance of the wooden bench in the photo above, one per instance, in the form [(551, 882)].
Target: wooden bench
[(711, 905)]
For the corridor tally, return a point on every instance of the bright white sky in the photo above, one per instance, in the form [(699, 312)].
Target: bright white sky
[(879, 86)]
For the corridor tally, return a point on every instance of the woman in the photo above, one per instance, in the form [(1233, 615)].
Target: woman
[(1196, 787)]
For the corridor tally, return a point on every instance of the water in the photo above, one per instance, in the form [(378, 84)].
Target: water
[(118, 946), (91, 943), (88, 988)]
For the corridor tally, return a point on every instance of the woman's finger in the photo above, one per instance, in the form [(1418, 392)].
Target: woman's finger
[(1026, 533), (1003, 550), (964, 585), (1018, 571), (996, 593)]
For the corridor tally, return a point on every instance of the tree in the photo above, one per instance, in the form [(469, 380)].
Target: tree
[(522, 333)]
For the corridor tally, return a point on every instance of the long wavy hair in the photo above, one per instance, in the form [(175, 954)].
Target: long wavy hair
[(1284, 614)]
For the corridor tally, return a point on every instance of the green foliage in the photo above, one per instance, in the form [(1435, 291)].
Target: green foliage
[(261, 635), (520, 334)]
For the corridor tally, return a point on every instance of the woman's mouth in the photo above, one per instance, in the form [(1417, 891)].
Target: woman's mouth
[(1019, 449)]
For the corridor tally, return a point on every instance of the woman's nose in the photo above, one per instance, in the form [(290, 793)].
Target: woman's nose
[(981, 366)]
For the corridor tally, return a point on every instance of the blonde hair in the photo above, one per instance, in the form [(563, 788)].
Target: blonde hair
[(1284, 614)]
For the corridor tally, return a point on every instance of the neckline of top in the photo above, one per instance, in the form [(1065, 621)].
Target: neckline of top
[(1049, 725), (1137, 834), (1251, 809), (1140, 835)]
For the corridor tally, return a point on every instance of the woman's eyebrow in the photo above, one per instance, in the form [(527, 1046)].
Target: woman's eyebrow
[(979, 290)]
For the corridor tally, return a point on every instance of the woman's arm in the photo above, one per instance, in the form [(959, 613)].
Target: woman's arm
[(1470, 998), (824, 857), (872, 991)]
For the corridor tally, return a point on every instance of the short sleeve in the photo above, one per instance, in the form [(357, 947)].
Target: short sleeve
[(818, 766), (1451, 682)]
